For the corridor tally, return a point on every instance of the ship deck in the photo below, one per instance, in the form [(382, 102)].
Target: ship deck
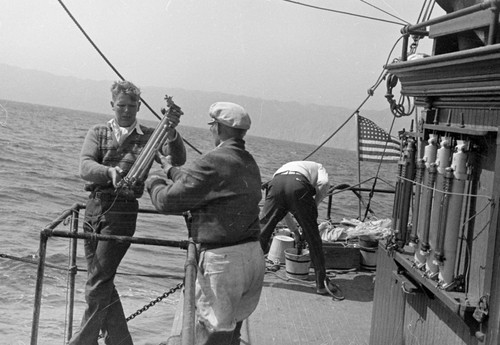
[(291, 312)]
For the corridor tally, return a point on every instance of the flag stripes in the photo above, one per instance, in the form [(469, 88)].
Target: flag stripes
[(375, 144)]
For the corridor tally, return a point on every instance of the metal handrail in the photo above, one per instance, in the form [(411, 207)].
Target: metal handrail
[(42, 252), (73, 234), (183, 244), (356, 191), (416, 29)]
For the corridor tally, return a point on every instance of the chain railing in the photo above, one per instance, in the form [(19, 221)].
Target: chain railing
[(153, 302)]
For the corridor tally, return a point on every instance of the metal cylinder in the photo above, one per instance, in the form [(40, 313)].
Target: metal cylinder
[(397, 197), (419, 176), (141, 166), (454, 216), (429, 160), (442, 162), (443, 215), (406, 191)]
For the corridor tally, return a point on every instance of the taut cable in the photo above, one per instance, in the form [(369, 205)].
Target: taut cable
[(113, 67)]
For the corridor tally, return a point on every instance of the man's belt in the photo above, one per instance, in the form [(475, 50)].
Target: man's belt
[(289, 172), (210, 246), (109, 196)]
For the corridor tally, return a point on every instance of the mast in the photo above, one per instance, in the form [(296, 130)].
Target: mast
[(359, 161)]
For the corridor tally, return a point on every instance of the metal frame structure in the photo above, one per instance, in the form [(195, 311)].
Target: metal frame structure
[(73, 215)]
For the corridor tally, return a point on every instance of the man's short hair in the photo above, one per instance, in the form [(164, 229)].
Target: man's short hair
[(127, 88)]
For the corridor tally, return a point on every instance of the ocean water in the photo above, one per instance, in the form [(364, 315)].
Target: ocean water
[(39, 148)]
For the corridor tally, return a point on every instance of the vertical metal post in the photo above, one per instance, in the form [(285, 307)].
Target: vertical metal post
[(492, 36), (42, 252), (72, 275), (492, 281), (329, 211), (404, 52), (190, 268), (359, 162)]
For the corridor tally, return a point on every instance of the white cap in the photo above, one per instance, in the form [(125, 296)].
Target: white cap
[(229, 114)]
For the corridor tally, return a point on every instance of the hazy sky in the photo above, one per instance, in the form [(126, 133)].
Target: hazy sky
[(270, 49)]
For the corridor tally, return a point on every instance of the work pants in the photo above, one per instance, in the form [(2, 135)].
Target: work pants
[(293, 193), (228, 288), (104, 311)]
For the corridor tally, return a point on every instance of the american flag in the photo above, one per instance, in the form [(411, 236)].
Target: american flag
[(375, 144)]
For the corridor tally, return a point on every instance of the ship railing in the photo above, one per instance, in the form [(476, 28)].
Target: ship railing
[(420, 29), (72, 214), (356, 190)]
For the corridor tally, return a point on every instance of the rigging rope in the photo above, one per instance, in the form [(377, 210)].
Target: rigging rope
[(390, 14), (426, 11), (35, 262), (113, 67), (343, 12), (398, 109), (371, 92)]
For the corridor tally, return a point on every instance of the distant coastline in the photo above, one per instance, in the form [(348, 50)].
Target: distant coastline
[(289, 121)]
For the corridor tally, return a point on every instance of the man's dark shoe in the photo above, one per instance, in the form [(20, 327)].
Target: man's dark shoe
[(331, 289)]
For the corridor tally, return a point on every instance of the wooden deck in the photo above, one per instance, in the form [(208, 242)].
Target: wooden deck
[(290, 312)]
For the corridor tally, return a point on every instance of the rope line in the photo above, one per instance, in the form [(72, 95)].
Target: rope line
[(344, 187), (426, 11), (371, 92), (448, 193), (371, 194), (343, 12), (381, 10), (113, 67), (35, 262)]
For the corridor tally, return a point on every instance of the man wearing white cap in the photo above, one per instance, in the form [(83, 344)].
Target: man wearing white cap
[(222, 192)]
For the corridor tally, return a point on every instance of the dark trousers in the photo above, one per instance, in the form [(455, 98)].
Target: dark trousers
[(294, 194), (104, 312)]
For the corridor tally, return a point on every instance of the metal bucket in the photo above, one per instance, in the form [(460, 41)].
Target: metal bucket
[(278, 246)]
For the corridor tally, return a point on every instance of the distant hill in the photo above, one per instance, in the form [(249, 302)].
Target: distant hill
[(306, 123)]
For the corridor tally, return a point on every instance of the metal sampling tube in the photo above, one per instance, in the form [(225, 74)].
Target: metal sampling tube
[(454, 216), (141, 166), (406, 191), (426, 200), (145, 154), (138, 171), (397, 197), (443, 218), (442, 162), (419, 176)]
